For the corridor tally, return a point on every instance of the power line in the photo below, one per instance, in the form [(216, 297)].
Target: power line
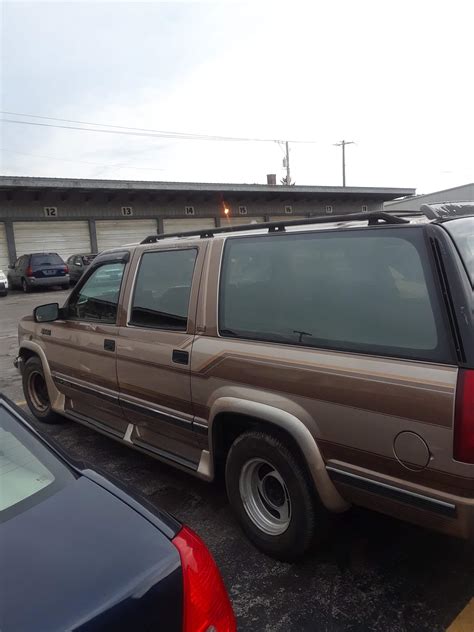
[(134, 129), (138, 131), (82, 162), (86, 129)]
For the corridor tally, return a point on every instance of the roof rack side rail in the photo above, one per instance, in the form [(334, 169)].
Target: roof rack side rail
[(373, 218), (447, 210)]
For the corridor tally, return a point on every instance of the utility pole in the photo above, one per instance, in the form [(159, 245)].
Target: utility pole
[(288, 179), (343, 144)]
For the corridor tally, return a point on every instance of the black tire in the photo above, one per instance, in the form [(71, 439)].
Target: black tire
[(307, 516), (35, 391), (25, 287)]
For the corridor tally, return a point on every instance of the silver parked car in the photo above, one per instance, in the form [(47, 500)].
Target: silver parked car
[(78, 264)]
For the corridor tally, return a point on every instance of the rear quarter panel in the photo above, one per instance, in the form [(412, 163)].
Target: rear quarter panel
[(355, 405)]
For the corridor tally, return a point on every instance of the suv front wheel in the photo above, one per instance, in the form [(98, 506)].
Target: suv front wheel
[(272, 496), (36, 392)]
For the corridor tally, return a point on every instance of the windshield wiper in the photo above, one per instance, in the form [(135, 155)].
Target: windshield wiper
[(301, 334)]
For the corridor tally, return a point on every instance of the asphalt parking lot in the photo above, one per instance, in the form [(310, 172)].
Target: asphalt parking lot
[(374, 573)]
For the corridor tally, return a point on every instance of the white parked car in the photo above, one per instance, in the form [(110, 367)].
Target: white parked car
[(3, 284)]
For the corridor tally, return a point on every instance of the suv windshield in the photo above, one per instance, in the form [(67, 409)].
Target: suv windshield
[(462, 232), (29, 472), (49, 259)]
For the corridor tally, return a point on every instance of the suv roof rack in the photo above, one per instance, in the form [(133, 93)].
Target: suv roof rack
[(447, 210), (373, 219)]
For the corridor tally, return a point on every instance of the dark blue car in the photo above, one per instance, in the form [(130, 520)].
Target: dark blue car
[(78, 552)]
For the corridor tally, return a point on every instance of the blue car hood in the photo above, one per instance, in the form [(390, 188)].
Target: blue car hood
[(83, 559)]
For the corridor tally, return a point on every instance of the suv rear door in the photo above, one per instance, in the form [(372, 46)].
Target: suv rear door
[(154, 350)]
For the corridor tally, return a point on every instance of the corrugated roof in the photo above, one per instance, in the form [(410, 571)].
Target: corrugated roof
[(28, 182), (419, 198)]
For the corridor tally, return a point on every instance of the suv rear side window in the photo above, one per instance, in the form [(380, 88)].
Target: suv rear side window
[(462, 232), (162, 289), (50, 259), (97, 299), (366, 292)]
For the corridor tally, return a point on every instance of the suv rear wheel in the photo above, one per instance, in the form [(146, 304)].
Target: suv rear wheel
[(36, 392), (272, 495)]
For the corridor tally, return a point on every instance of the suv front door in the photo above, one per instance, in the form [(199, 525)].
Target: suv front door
[(154, 352), (81, 349)]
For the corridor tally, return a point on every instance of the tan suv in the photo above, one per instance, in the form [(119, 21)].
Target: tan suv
[(318, 364)]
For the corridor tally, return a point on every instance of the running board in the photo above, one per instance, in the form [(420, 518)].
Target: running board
[(92, 423), (420, 501), (200, 468), (168, 456)]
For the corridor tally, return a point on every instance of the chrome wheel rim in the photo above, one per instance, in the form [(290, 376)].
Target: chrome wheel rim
[(38, 391), (265, 496)]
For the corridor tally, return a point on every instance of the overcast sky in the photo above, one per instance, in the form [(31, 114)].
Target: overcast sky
[(395, 77)]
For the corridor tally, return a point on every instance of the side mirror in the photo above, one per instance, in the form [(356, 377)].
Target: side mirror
[(11, 266), (46, 313)]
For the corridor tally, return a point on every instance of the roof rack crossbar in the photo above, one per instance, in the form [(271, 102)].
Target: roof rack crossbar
[(372, 218)]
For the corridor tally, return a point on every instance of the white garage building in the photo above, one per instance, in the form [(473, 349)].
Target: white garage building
[(463, 193), (71, 216)]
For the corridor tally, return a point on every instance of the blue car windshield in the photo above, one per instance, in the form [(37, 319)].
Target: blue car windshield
[(29, 472), (47, 259)]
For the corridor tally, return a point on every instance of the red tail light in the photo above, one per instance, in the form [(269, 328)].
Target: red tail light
[(29, 271), (66, 269), (464, 417), (206, 604)]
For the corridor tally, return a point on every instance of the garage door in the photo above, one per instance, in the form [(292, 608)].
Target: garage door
[(3, 249), (65, 238), (238, 221), (284, 218), (114, 233), (182, 225)]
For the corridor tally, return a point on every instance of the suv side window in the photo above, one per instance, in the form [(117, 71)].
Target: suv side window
[(357, 291), (162, 289), (97, 299)]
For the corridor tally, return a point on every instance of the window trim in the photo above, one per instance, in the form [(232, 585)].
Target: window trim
[(83, 280), (129, 323), (444, 353)]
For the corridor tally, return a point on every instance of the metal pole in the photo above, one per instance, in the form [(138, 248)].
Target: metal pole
[(288, 181), (343, 163), (343, 144)]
